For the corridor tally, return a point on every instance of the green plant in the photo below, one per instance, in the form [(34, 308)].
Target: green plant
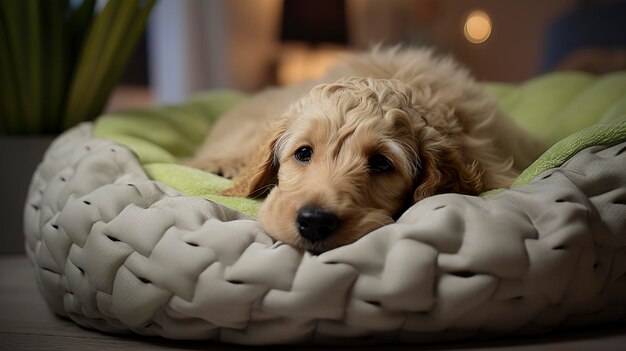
[(60, 59)]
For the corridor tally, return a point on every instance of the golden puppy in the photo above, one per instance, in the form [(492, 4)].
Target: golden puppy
[(344, 157)]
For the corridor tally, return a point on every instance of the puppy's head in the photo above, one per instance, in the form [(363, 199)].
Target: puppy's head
[(348, 158)]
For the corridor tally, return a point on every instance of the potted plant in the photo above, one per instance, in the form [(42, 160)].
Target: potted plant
[(59, 62)]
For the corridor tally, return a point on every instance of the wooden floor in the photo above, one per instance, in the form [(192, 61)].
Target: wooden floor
[(26, 324)]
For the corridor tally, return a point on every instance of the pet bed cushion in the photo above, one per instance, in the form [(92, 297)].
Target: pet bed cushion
[(160, 136), (118, 251)]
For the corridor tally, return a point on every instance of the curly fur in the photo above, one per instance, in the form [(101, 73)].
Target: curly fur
[(423, 112)]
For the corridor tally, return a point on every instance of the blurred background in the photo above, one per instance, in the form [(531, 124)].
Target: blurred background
[(193, 45)]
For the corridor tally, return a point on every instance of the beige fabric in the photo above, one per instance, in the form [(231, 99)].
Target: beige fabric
[(118, 252)]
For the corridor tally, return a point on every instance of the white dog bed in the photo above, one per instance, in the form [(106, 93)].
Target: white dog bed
[(119, 252)]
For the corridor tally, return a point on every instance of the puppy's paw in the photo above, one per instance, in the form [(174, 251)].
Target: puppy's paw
[(201, 163), (223, 167)]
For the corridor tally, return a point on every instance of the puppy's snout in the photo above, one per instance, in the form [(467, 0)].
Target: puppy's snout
[(315, 223)]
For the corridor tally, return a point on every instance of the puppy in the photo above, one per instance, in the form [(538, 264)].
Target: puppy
[(341, 157)]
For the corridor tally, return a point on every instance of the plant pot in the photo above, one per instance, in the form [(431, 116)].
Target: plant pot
[(19, 156)]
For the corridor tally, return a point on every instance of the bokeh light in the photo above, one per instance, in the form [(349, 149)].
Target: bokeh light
[(477, 27)]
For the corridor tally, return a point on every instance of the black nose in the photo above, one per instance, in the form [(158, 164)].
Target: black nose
[(315, 223)]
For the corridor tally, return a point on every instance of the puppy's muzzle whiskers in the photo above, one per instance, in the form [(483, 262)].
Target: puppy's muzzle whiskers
[(260, 192)]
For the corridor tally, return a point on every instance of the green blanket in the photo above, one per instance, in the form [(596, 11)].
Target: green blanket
[(570, 110)]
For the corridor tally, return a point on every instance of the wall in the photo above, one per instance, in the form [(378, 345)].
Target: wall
[(513, 51), (197, 44)]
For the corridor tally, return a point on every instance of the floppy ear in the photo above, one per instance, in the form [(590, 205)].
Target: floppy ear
[(261, 170), (443, 168)]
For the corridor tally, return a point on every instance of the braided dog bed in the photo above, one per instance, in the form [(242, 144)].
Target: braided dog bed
[(116, 250)]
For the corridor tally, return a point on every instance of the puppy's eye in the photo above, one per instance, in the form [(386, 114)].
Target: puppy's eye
[(304, 154), (379, 163)]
